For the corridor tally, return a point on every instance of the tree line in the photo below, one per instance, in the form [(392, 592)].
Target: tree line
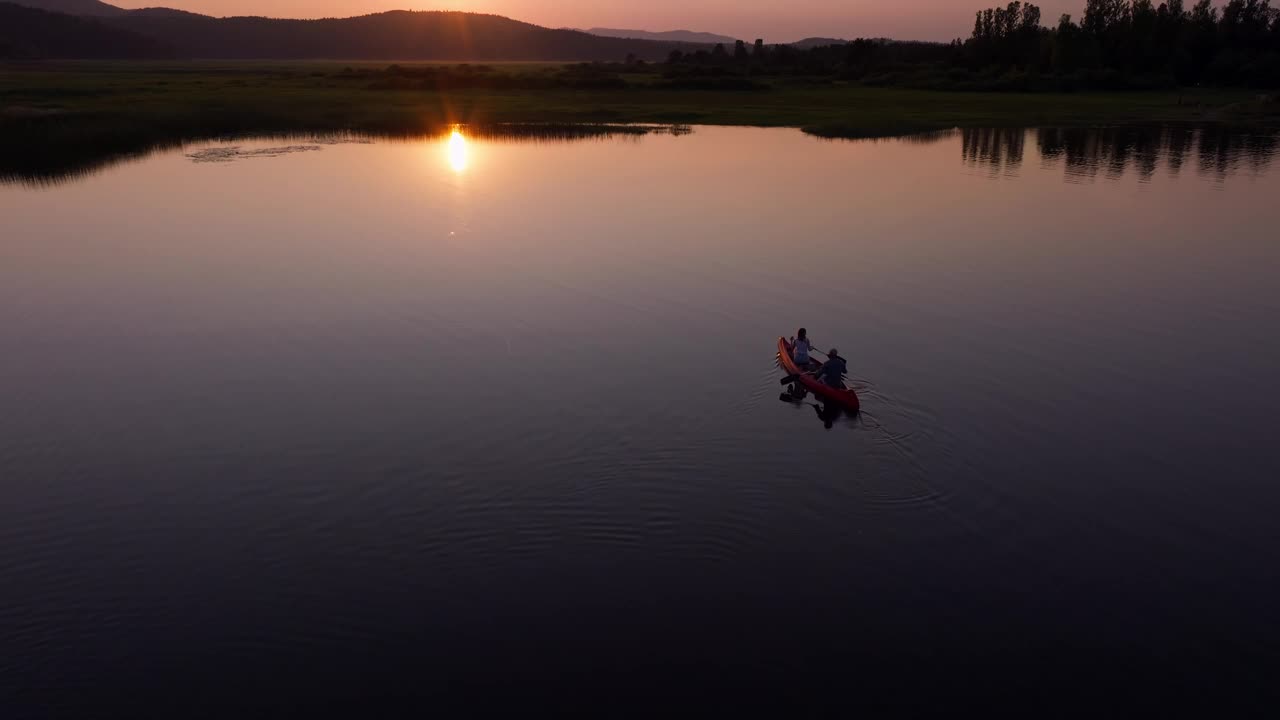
[(1116, 44), (1136, 40)]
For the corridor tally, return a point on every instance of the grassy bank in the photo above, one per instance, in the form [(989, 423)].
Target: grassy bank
[(70, 110), (318, 95)]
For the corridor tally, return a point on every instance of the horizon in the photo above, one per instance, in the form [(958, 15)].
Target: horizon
[(931, 20)]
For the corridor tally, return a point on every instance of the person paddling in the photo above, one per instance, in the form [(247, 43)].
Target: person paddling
[(833, 370), (800, 347)]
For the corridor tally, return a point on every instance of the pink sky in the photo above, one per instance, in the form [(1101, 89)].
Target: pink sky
[(749, 19)]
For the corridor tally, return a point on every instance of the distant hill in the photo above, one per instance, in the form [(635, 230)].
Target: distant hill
[(813, 42), (89, 8), (397, 35), (28, 33), (667, 35)]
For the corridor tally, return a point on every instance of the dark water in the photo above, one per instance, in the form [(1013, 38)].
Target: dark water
[(306, 426)]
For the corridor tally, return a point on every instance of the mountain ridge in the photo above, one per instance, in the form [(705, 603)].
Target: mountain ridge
[(83, 8), (812, 42), (32, 33), (206, 36), (691, 36), (392, 35)]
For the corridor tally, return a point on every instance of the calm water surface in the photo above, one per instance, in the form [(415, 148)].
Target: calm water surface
[(308, 421)]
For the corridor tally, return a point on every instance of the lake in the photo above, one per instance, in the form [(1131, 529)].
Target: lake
[(315, 423)]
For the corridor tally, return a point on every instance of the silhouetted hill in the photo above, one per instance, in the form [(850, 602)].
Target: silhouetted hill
[(90, 8), (397, 35), (30, 33), (688, 36), (813, 42)]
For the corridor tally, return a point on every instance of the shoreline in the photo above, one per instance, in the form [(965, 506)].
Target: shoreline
[(62, 118)]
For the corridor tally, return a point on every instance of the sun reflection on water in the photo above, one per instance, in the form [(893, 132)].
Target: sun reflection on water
[(457, 151)]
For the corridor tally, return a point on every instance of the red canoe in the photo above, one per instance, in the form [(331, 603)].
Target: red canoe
[(844, 397)]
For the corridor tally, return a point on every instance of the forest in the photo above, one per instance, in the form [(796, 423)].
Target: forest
[(1116, 44)]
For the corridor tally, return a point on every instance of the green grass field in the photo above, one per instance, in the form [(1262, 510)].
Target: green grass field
[(110, 108), (315, 95)]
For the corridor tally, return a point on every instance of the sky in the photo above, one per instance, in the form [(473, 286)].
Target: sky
[(749, 19)]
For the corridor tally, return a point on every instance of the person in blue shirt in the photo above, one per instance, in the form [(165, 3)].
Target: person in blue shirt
[(833, 370)]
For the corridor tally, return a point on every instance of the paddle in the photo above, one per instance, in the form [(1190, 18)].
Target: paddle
[(791, 400), (792, 378)]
